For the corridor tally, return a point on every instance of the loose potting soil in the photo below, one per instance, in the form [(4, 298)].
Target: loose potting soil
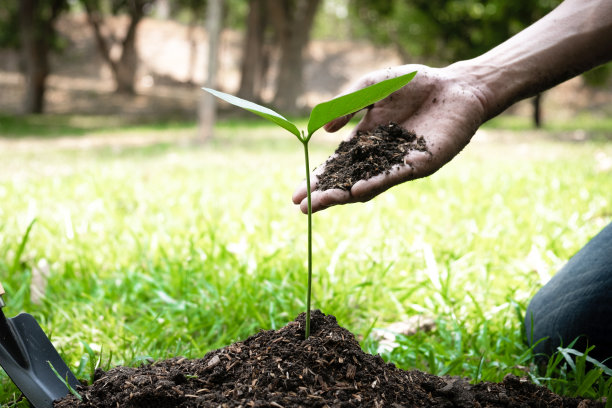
[(367, 155), (281, 369)]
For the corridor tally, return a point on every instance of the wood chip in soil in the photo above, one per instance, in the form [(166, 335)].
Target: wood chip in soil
[(367, 155), (281, 369)]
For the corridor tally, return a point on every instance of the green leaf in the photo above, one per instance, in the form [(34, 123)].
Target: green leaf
[(355, 101), (588, 381), (256, 109)]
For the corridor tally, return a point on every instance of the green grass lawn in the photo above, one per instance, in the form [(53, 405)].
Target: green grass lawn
[(169, 249)]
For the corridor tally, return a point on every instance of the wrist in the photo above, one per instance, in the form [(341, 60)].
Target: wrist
[(568, 41), (484, 81)]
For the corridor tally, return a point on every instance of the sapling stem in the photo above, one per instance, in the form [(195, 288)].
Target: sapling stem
[(321, 114), (308, 199)]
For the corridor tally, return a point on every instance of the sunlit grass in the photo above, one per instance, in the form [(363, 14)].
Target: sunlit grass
[(175, 249)]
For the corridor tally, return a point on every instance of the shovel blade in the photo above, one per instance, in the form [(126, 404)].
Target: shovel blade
[(26, 354)]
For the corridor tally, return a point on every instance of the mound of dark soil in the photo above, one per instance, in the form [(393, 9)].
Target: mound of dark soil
[(281, 369), (367, 155)]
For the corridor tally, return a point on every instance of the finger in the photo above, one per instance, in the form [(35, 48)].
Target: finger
[(300, 193), (422, 164), (417, 164), (321, 200), (338, 123), (365, 190)]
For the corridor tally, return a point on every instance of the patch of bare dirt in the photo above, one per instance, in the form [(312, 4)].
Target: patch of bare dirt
[(281, 369)]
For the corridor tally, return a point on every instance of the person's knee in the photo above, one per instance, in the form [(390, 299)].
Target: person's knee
[(578, 325), (576, 304)]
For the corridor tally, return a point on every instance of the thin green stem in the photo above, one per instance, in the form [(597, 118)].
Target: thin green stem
[(305, 144)]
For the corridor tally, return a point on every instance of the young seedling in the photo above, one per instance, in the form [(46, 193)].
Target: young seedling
[(320, 115)]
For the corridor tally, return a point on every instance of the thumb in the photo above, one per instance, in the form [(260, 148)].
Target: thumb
[(338, 123)]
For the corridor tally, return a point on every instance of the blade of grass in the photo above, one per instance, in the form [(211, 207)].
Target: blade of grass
[(65, 382), (21, 248)]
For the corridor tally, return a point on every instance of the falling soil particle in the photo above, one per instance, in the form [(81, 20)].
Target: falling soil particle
[(281, 369), (367, 155)]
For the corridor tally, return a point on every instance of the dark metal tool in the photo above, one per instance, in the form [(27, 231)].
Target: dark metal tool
[(26, 354)]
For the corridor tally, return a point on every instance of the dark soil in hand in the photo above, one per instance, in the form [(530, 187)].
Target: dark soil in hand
[(281, 369), (367, 155)]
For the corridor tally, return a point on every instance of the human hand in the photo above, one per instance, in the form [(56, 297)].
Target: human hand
[(441, 105)]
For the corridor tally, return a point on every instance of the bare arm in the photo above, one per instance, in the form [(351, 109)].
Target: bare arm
[(570, 40), (447, 105)]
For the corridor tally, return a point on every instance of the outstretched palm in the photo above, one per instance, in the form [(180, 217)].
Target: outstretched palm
[(437, 105)]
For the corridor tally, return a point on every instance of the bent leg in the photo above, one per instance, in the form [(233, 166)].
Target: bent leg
[(577, 301)]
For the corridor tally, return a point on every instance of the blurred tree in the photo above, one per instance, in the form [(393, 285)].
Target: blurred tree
[(444, 31), (254, 58), (292, 21), (197, 9), (279, 25), (35, 37), (193, 11), (9, 24), (207, 110), (124, 68), (162, 9)]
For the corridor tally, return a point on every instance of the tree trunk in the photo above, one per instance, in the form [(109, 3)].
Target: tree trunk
[(95, 21), (34, 57), (253, 59), (193, 49), (537, 110), (36, 33), (124, 69), (207, 111), (128, 62), (292, 21), (163, 9)]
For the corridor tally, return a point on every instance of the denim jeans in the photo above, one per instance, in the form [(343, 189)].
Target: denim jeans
[(576, 302)]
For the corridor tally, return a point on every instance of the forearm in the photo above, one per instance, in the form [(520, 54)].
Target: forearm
[(572, 39)]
